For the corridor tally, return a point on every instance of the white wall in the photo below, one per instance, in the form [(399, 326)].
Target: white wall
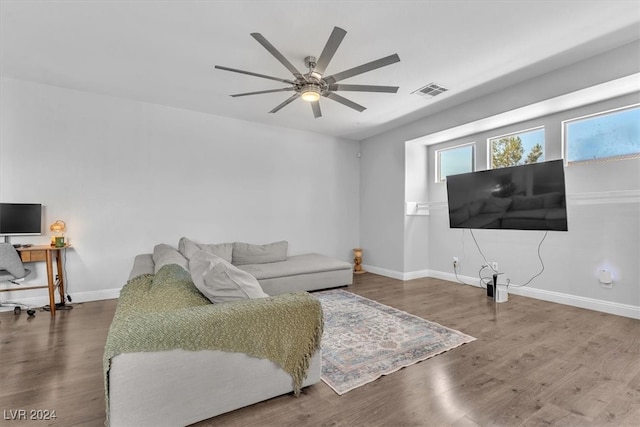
[(603, 208), (393, 253), (382, 204), (127, 175), (383, 166)]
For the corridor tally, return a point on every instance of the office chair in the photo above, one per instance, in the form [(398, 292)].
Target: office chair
[(12, 270)]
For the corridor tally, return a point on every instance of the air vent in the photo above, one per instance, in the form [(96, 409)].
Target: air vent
[(430, 90)]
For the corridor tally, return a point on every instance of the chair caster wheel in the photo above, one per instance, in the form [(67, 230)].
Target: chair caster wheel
[(31, 312), (17, 310)]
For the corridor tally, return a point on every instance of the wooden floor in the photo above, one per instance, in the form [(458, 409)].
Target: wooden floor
[(533, 363)]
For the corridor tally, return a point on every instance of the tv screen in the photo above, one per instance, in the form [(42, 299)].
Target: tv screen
[(20, 219), (527, 197)]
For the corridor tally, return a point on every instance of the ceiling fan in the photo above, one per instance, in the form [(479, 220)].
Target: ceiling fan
[(314, 84)]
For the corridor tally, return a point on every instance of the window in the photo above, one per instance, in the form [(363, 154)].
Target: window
[(517, 148), (608, 135), (455, 160)]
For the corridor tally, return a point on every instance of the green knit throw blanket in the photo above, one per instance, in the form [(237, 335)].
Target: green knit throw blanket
[(167, 311)]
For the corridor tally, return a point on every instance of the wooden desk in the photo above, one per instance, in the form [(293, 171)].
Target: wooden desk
[(39, 253)]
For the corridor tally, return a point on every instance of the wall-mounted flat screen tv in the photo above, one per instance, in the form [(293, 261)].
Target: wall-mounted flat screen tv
[(20, 219), (527, 197)]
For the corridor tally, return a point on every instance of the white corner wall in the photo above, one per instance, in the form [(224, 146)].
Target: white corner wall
[(382, 206), (126, 175)]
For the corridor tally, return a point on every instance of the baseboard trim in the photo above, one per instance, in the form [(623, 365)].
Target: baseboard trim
[(416, 274), (618, 309), (464, 280), (397, 274), (77, 297), (384, 272), (625, 310)]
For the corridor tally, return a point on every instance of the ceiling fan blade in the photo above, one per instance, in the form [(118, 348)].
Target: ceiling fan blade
[(285, 89), (285, 103), (345, 101), (364, 88), (280, 57), (329, 49), (378, 63), (315, 106), (249, 73)]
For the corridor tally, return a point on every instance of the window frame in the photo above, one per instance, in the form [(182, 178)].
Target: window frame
[(565, 146), (518, 132), (438, 167)]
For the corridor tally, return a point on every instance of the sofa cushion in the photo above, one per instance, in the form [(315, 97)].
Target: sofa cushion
[(188, 247), (295, 265), (142, 264), (247, 253), (223, 250), (221, 281), (164, 254)]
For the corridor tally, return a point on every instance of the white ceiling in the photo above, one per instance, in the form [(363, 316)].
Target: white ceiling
[(164, 52)]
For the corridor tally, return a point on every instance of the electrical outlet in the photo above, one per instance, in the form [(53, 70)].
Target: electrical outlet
[(456, 263), (494, 266), (606, 280)]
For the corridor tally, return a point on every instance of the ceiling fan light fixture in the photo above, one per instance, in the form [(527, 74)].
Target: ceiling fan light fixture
[(310, 94), (311, 85)]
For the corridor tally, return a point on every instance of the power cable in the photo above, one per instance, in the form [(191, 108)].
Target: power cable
[(486, 263), (541, 264)]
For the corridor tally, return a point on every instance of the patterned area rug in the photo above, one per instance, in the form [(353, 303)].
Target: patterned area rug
[(364, 340)]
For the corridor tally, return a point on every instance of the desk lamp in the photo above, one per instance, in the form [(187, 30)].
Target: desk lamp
[(58, 229)]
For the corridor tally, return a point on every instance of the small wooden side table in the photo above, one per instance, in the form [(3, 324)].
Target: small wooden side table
[(44, 253)]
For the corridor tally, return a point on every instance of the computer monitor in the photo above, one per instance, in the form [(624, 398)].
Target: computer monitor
[(20, 219)]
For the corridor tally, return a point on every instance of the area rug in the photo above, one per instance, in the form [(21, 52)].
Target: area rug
[(364, 340)]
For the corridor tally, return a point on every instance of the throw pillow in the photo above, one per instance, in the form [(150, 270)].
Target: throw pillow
[(164, 254), (246, 253), (223, 250), (188, 247), (221, 281)]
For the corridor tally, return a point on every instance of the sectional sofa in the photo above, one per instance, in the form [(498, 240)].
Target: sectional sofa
[(172, 383)]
